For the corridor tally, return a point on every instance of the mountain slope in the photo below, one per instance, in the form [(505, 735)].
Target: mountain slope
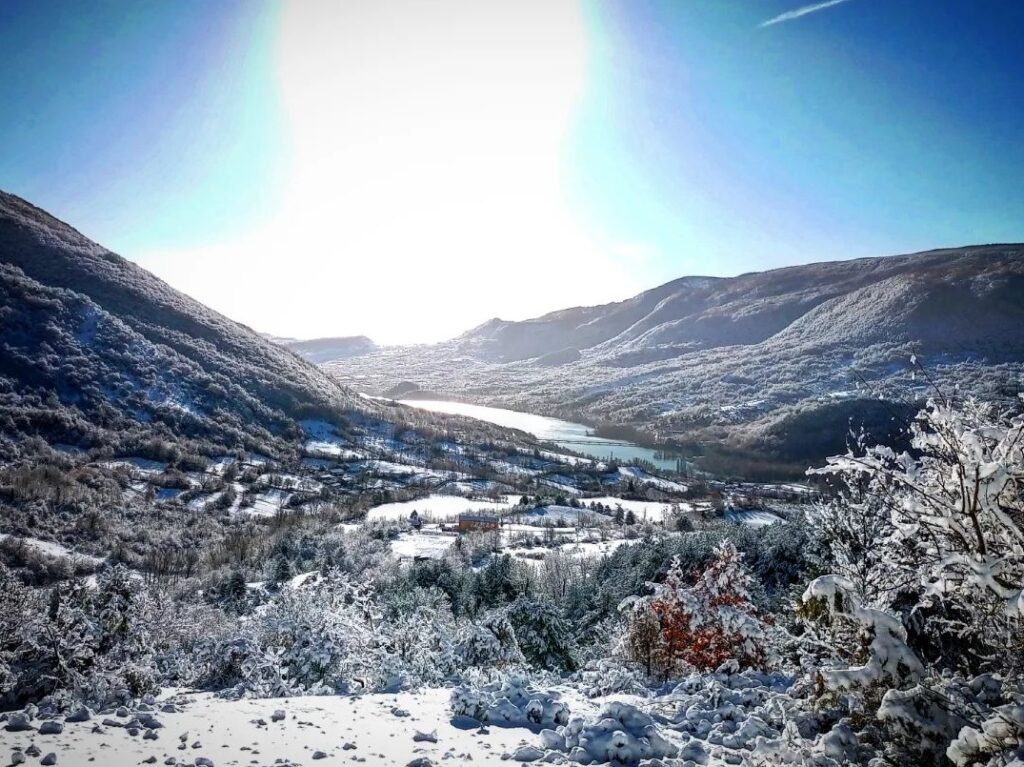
[(95, 338), (749, 309), (738, 359)]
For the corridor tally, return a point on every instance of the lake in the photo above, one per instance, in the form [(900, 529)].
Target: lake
[(573, 436)]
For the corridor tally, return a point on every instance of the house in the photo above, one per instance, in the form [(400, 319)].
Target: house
[(472, 520)]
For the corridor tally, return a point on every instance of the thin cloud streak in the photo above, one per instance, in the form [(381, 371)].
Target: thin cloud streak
[(801, 11)]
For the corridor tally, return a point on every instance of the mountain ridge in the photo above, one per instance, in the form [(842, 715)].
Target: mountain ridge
[(712, 358)]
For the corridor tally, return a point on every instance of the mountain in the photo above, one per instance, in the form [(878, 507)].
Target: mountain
[(962, 300), (741, 359), (92, 343), (321, 350)]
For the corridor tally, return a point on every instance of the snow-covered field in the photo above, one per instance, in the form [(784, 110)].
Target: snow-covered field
[(55, 550), (267, 503), (651, 511), (423, 544), (439, 508), (374, 729), (706, 720)]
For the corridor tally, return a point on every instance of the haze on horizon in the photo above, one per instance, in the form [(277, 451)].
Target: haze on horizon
[(407, 171)]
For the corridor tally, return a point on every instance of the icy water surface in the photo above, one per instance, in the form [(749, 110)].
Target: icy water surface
[(575, 436)]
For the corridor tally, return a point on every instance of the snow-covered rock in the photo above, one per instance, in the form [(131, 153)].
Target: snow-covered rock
[(621, 733), (511, 703)]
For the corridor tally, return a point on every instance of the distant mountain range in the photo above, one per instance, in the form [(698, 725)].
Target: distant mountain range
[(321, 350), (742, 358)]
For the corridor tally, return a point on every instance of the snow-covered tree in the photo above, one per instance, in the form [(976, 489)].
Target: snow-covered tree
[(955, 523), (704, 624)]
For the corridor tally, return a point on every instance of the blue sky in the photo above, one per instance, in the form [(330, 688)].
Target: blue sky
[(292, 163)]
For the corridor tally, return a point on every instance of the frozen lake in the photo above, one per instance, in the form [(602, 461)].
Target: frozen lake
[(574, 436)]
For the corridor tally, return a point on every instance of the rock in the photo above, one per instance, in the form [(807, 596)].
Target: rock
[(396, 711), (552, 739), (148, 699), (112, 723), (80, 714), (17, 758), (319, 755), (348, 746), (428, 737), (51, 727), (19, 722), (149, 760), (170, 761), (150, 722), (122, 712), (143, 708), (169, 708), (277, 716), (149, 735), (134, 731), (694, 751), (202, 761), (49, 759), (33, 750), (527, 754), (420, 761)]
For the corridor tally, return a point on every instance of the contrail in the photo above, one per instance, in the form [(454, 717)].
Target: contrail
[(802, 11)]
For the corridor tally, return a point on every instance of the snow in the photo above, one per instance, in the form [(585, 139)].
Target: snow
[(55, 550), (545, 515), (267, 503), (652, 511), (753, 518), (317, 447), (562, 484), (641, 476), (438, 507), (291, 482), (345, 728), (143, 466), (422, 544)]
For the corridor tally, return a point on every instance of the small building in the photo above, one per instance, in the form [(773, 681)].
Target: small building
[(472, 520)]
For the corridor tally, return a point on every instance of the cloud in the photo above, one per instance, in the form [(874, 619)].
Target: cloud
[(801, 11)]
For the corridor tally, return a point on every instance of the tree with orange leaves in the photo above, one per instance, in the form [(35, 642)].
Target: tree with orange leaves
[(702, 622)]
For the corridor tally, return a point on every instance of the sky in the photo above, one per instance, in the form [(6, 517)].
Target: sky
[(408, 170)]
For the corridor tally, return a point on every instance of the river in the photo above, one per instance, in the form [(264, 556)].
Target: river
[(573, 436)]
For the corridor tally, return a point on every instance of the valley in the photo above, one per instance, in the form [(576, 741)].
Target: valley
[(769, 364), (215, 551)]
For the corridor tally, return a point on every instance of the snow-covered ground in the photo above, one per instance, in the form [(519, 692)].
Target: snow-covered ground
[(438, 508), (138, 466), (429, 543), (374, 729), (55, 550), (267, 503), (711, 719), (641, 476), (753, 518), (651, 511), (548, 515)]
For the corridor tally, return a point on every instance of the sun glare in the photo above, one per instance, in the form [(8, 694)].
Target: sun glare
[(425, 147)]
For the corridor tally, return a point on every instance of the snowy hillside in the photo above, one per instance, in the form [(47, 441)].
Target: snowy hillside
[(770, 362)]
